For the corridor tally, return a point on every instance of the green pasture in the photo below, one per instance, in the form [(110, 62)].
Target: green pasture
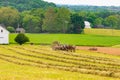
[(74, 39)]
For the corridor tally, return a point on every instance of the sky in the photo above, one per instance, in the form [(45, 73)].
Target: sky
[(87, 2)]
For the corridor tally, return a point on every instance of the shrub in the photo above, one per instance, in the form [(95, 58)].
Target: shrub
[(21, 38), (10, 29)]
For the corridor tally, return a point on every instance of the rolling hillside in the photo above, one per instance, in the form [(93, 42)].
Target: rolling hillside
[(22, 5)]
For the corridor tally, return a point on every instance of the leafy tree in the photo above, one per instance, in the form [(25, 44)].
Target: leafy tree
[(30, 22), (118, 21), (91, 16), (104, 14), (21, 38), (112, 21), (38, 13), (8, 16), (56, 20), (49, 22), (63, 18), (83, 14), (98, 21), (77, 23)]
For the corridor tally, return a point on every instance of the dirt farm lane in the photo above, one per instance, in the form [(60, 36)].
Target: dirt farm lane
[(108, 50)]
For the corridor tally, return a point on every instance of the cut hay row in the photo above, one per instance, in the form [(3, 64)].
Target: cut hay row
[(48, 58), (32, 57), (59, 60), (75, 55), (72, 58), (71, 61), (67, 68)]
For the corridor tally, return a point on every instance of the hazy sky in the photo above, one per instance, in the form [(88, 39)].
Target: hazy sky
[(88, 2)]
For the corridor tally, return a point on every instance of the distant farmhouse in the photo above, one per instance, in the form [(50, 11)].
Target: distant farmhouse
[(4, 35), (87, 24), (20, 30)]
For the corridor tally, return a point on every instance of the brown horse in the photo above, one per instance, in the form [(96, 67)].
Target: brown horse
[(57, 46), (70, 48)]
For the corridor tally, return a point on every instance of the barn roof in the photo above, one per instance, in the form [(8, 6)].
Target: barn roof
[(19, 29), (3, 27)]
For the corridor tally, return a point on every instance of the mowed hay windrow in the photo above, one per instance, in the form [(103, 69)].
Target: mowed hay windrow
[(110, 32), (45, 57)]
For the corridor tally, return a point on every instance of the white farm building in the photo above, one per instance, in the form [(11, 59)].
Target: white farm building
[(87, 24), (4, 35)]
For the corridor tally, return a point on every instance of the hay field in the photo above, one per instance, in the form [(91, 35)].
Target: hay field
[(35, 62)]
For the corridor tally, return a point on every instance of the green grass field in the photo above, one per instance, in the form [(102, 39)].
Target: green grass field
[(74, 39), (35, 62)]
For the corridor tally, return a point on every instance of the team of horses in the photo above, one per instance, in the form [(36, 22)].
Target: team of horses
[(57, 46)]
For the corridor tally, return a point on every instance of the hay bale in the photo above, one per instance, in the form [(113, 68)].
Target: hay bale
[(93, 49)]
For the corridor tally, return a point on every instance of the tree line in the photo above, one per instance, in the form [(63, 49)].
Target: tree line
[(88, 8), (22, 5), (56, 19)]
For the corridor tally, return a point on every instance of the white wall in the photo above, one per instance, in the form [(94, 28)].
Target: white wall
[(4, 36)]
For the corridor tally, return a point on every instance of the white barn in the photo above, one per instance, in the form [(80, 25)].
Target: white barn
[(4, 35), (87, 24)]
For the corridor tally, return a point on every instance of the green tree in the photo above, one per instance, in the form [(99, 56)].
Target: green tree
[(21, 38), (83, 13), (118, 21), (49, 22), (104, 14), (38, 13), (91, 16), (112, 21), (63, 19), (77, 23), (9, 16), (31, 22), (56, 20), (98, 21)]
